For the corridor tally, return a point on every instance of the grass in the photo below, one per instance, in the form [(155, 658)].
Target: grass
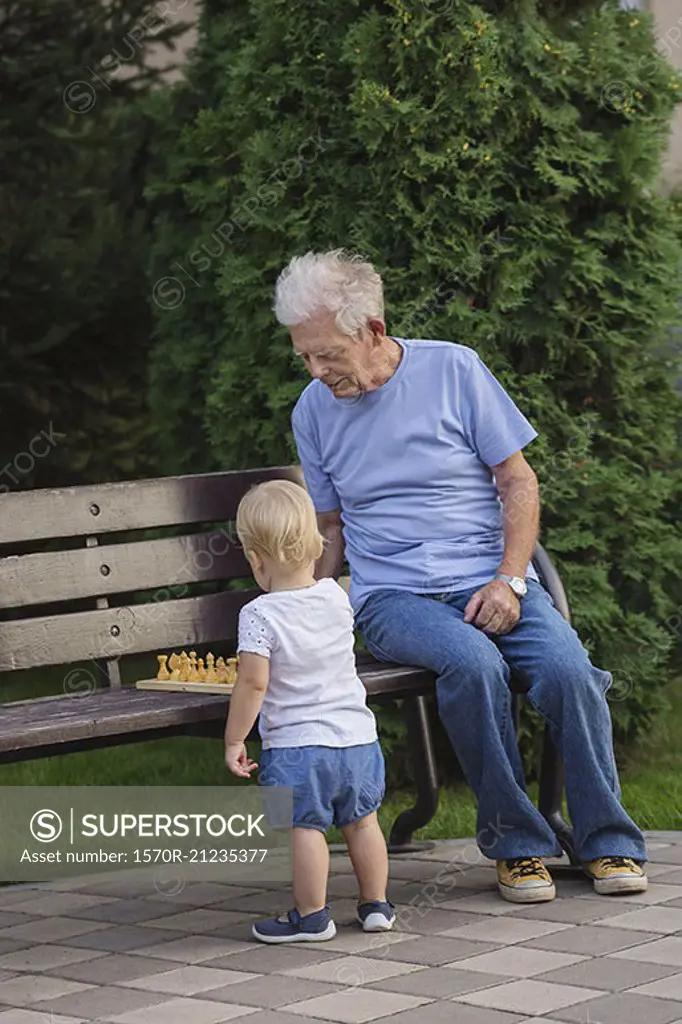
[(652, 781)]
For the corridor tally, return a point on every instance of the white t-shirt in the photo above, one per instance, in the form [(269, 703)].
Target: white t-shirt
[(315, 696)]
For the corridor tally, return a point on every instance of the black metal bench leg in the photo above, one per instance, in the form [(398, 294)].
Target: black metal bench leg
[(551, 793), (424, 761)]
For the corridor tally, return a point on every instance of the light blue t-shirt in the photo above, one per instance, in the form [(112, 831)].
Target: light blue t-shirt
[(409, 464)]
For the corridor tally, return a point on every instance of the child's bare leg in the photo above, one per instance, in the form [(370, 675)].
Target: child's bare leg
[(369, 856), (311, 870)]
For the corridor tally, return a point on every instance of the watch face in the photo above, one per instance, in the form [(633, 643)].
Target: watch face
[(519, 587)]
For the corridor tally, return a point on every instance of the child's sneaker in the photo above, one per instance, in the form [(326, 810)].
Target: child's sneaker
[(291, 927), (376, 916)]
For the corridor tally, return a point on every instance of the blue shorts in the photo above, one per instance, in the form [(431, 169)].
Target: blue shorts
[(331, 785)]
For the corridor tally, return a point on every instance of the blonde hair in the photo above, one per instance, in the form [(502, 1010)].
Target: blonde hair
[(277, 519)]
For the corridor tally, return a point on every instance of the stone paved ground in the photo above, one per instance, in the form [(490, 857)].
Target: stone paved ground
[(121, 951)]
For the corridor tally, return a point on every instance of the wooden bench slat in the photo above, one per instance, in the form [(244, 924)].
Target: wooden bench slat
[(107, 569), (130, 505), (116, 632), (42, 722)]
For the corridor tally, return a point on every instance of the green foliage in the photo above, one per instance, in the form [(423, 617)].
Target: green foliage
[(75, 321), (498, 163)]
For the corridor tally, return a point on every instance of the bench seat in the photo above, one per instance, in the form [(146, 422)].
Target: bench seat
[(53, 725)]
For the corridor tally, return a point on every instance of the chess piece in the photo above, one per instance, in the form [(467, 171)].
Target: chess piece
[(163, 672), (174, 662), (211, 674), (193, 667), (221, 670), (232, 670), (201, 671), (184, 667)]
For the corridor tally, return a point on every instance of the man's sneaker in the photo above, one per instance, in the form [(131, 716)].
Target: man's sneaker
[(291, 927), (376, 916), (525, 880), (615, 874)]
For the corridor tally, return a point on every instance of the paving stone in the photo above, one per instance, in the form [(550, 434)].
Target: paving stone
[(480, 903), (189, 980), (262, 903), (110, 969), (180, 1011), (425, 893), (607, 973), (572, 911), (125, 911), (192, 949), (506, 931), (202, 920), (118, 939), (591, 940), (59, 904), (354, 1005), (271, 991), (675, 904), (13, 894), (268, 1016), (433, 950), (97, 1002), (656, 893), (51, 929), (45, 957), (416, 920), (126, 885), (665, 988), (659, 872), (660, 951), (199, 894), (530, 997), (622, 1008), (439, 982), (410, 870), (518, 962), (353, 970), (670, 876), (351, 939), (24, 989), (343, 885), (240, 931), (12, 946), (8, 918), (664, 919), (264, 959), (35, 1017), (665, 854), (443, 1013)]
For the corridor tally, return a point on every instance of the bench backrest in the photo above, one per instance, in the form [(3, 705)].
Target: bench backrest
[(81, 579)]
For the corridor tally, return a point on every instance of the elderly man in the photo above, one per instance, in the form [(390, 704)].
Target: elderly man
[(412, 454)]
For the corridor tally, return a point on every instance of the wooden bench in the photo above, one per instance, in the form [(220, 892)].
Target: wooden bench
[(82, 581)]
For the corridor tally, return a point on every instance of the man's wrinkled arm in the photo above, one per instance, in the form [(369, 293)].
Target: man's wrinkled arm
[(331, 561), (517, 486)]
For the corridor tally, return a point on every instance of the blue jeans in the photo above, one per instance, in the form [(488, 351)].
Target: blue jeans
[(474, 703)]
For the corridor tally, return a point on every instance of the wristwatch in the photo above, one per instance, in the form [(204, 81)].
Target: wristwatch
[(517, 583)]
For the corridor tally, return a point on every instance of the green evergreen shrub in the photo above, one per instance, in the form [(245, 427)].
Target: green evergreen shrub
[(498, 163), (75, 322)]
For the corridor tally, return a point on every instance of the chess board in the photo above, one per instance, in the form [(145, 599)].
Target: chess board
[(180, 687)]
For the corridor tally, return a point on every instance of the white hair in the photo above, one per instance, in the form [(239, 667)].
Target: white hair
[(333, 282)]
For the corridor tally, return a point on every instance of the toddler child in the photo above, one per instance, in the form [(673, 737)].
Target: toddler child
[(297, 669)]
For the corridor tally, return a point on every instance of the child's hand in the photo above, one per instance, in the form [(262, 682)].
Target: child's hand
[(238, 761)]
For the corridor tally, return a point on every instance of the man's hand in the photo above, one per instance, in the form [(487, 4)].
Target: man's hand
[(238, 761), (494, 608)]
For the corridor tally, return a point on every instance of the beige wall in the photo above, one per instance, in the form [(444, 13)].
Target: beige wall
[(668, 16)]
